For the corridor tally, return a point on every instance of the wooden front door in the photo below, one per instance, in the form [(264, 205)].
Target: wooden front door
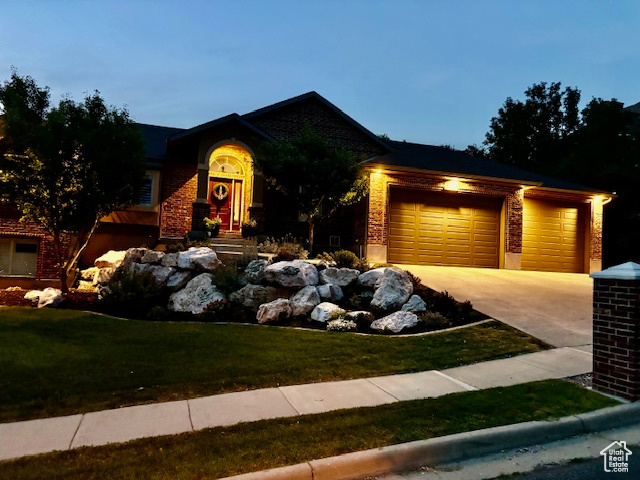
[(225, 196)]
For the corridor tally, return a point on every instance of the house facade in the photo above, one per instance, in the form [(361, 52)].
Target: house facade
[(426, 205)]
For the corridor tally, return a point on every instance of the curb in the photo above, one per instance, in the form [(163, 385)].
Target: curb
[(452, 448)]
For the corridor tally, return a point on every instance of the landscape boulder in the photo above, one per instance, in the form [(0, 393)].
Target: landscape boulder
[(360, 316), (304, 300), (342, 277), (252, 296), (371, 278), (103, 275), (196, 295), (279, 309), (178, 279), (296, 273), (170, 260), (330, 292), (152, 256), (254, 272), (133, 256), (326, 311), (392, 291), (415, 305), (198, 258), (111, 259), (396, 322), (160, 274), (49, 297)]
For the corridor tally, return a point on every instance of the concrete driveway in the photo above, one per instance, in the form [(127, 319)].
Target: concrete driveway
[(555, 307)]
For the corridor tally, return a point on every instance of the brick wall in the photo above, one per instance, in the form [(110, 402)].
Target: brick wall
[(200, 211), (179, 190), (12, 227), (616, 337), (285, 123)]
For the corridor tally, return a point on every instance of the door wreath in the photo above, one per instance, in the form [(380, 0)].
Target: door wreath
[(219, 192)]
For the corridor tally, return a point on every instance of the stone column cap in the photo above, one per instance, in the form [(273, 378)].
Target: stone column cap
[(624, 271)]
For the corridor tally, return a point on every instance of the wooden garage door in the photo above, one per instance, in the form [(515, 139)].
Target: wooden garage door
[(444, 229), (553, 236)]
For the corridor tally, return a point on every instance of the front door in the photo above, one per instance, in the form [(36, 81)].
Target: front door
[(226, 199)]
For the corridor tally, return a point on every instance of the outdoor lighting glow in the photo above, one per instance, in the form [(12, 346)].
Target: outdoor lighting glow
[(452, 185)]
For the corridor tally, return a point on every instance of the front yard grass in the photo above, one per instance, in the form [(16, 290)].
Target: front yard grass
[(220, 452), (60, 362)]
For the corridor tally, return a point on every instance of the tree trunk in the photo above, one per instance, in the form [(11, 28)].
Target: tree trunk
[(311, 227)]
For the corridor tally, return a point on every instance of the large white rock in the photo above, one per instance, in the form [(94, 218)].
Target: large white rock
[(152, 256), (254, 272), (103, 275), (202, 258), (396, 322), (252, 296), (304, 300), (279, 309), (296, 273), (111, 259), (371, 278), (196, 295), (330, 292), (326, 311), (415, 305), (133, 256), (49, 297), (393, 290), (343, 277)]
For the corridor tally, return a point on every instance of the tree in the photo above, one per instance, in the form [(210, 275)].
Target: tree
[(317, 176), (66, 167), (536, 133), (598, 147)]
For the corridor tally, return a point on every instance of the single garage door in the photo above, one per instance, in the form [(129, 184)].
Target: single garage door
[(553, 236), (444, 229)]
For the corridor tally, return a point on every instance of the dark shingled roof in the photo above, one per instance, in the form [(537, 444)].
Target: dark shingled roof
[(447, 161), (155, 138)]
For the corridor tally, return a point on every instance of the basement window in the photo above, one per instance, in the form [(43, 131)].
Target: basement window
[(18, 257)]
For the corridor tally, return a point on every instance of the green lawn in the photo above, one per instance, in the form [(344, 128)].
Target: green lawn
[(219, 452), (59, 362)]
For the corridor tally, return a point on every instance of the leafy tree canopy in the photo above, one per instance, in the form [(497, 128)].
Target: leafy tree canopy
[(65, 167), (314, 174)]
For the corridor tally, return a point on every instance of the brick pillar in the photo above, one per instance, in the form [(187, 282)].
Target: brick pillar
[(200, 210), (616, 331)]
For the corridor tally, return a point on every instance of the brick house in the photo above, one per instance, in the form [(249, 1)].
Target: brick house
[(427, 204)]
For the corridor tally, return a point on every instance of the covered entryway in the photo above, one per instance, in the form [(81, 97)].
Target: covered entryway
[(230, 185), (435, 228), (553, 236)]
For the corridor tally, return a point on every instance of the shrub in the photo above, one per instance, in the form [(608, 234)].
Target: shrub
[(434, 321), (226, 277), (442, 302), (132, 294), (341, 325), (344, 259), (285, 249), (249, 253), (217, 311), (157, 313)]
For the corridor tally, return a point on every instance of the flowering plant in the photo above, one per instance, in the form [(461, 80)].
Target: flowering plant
[(249, 223), (212, 223)]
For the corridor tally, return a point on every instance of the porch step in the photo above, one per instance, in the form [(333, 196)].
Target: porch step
[(228, 244)]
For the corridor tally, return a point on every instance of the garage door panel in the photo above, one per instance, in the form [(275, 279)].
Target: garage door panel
[(449, 229), (553, 236)]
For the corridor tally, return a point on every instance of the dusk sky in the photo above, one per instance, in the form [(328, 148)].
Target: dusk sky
[(426, 71)]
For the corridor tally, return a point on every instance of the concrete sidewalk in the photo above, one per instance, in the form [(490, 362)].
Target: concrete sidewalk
[(121, 425)]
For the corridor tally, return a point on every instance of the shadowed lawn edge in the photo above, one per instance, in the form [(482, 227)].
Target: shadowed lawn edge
[(225, 451)]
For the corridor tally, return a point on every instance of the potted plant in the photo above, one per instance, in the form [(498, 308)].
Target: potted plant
[(248, 229), (212, 226)]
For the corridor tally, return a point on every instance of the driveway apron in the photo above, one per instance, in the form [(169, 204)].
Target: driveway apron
[(554, 307)]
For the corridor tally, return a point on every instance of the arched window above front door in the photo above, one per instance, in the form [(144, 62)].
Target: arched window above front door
[(229, 161)]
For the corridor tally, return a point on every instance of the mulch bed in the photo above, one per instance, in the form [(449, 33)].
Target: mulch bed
[(14, 297)]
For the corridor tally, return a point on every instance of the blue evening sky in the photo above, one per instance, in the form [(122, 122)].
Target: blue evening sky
[(425, 71)]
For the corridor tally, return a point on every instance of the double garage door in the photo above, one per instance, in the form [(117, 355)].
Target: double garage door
[(434, 228)]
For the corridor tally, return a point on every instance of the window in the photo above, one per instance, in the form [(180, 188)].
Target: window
[(147, 195), (18, 256)]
